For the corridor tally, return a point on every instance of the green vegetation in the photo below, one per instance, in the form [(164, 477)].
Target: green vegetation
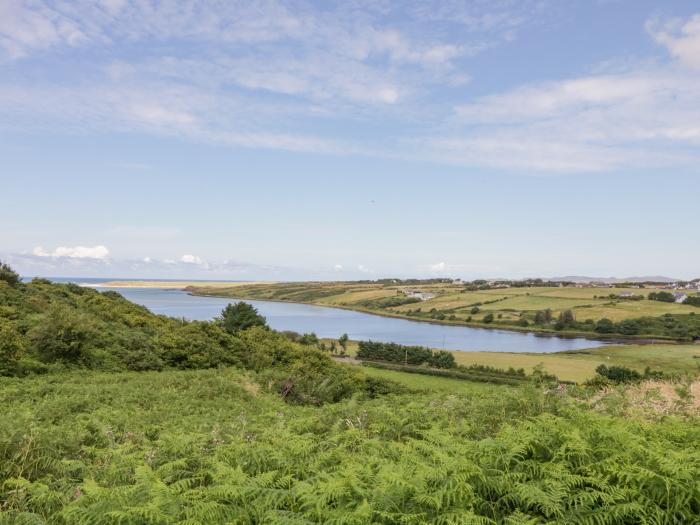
[(478, 373), (8, 275), (413, 355), (47, 327), (208, 446), (530, 305), (125, 417), (240, 316), (664, 297), (622, 374), (579, 365)]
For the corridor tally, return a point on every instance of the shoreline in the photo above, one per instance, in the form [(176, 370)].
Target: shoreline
[(523, 330), (190, 287)]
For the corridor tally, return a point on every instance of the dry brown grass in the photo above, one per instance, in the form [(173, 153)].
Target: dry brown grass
[(650, 399)]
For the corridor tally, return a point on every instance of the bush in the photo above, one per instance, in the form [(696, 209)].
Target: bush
[(12, 348), (240, 316), (665, 297), (605, 326), (628, 327), (488, 318), (198, 344), (693, 300), (413, 355), (618, 374), (64, 335), (8, 275)]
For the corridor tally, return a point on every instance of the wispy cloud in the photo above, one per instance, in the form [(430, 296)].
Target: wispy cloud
[(296, 77), (191, 259), (647, 117), (239, 73), (74, 252), (681, 38)]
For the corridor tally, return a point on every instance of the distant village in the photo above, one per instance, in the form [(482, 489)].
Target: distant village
[(680, 289)]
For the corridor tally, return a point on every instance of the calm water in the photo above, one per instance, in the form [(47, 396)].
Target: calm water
[(333, 322)]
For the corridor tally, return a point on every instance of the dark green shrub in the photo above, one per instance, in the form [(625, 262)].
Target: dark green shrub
[(8, 275), (240, 316)]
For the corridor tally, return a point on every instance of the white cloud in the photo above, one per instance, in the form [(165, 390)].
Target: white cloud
[(643, 118), (338, 267), (363, 269), (147, 259), (681, 38), (191, 259), (438, 267), (74, 252), (25, 29), (262, 75), (337, 62)]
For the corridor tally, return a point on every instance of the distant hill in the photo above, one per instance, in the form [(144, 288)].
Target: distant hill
[(614, 280)]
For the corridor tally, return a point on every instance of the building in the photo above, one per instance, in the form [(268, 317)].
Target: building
[(680, 297), (417, 294)]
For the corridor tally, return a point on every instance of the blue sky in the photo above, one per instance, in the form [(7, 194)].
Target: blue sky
[(342, 140)]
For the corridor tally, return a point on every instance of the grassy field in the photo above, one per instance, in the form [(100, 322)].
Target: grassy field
[(454, 304), (432, 383), (580, 365)]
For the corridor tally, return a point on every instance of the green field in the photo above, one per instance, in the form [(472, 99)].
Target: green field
[(428, 383), (453, 304), (580, 365)]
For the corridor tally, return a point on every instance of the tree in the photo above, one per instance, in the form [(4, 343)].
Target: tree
[(343, 341), (693, 300), (605, 326), (628, 327), (442, 359), (240, 316), (664, 297), (543, 316), (474, 310), (309, 339), (566, 320), (488, 318), (8, 275)]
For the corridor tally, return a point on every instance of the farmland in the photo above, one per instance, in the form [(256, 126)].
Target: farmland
[(509, 308), (579, 365)]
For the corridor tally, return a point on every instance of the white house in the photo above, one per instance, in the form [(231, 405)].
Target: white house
[(680, 297), (423, 296)]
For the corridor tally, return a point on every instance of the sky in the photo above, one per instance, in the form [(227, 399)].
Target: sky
[(350, 140)]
